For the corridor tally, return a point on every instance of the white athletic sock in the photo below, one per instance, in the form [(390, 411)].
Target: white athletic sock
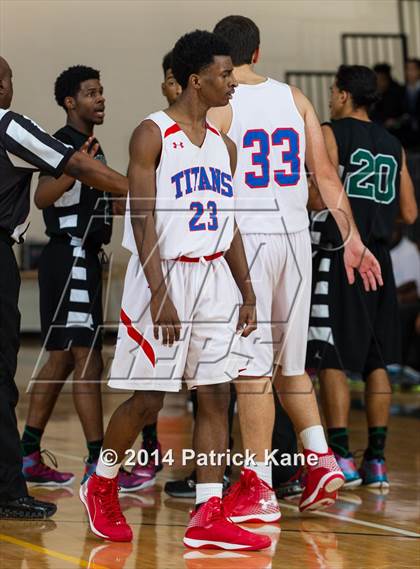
[(263, 471), (313, 438), (206, 491), (106, 471)]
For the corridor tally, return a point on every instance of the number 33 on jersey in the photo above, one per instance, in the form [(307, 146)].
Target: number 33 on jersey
[(270, 181), (194, 212)]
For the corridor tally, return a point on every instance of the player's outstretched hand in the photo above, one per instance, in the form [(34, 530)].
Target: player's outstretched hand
[(165, 316), (89, 148), (247, 321), (358, 257)]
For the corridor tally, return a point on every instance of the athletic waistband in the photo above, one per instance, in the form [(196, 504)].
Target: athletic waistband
[(184, 259)]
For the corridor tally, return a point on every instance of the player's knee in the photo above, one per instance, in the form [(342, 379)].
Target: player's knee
[(214, 399), (87, 362), (147, 404), (61, 362)]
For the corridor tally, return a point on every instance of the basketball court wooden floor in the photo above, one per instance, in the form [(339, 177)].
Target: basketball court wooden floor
[(363, 530)]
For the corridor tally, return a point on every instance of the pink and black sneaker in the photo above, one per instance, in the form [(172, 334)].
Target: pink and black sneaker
[(127, 481), (131, 482), (37, 472), (148, 472), (373, 473)]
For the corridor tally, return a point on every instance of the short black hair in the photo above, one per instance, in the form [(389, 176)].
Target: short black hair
[(360, 82), (194, 52), (68, 82), (414, 60), (383, 69), (243, 36), (167, 63)]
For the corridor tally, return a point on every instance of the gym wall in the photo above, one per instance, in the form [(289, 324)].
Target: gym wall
[(126, 40)]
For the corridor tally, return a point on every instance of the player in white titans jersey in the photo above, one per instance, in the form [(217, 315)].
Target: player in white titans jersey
[(276, 132), (180, 309)]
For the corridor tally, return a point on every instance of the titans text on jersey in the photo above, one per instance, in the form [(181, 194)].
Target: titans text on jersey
[(200, 178)]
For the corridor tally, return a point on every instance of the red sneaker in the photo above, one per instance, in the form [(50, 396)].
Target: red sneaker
[(321, 481), (209, 528), (100, 497), (251, 500)]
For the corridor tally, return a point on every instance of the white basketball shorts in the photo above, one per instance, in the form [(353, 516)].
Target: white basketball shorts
[(281, 272), (207, 301)]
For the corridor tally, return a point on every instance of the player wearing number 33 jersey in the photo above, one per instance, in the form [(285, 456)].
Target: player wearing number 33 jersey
[(271, 193), (271, 196), (277, 133)]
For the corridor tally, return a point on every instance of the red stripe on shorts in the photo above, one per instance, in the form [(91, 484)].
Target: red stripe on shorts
[(139, 338)]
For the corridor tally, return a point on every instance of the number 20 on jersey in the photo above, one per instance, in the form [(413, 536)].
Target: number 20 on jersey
[(285, 167)]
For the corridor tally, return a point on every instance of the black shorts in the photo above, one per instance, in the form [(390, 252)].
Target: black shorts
[(70, 287), (351, 329)]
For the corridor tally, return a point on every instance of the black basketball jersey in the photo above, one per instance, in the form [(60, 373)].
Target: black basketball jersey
[(81, 211), (370, 160)]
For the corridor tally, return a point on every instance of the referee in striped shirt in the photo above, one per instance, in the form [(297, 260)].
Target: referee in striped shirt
[(24, 149)]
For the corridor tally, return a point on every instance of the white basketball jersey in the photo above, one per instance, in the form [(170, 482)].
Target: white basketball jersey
[(271, 190), (194, 212)]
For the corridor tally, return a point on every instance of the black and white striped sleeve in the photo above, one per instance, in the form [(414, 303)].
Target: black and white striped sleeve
[(29, 147)]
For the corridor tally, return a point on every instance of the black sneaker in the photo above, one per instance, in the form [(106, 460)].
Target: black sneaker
[(26, 508), (289, 489), (186, 488), (182, 488)]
